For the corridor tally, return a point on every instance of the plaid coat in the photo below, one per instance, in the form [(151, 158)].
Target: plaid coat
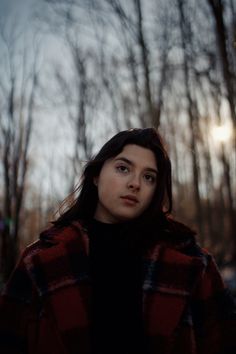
[(45, 307)]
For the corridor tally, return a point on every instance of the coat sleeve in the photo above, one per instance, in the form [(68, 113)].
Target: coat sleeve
[(214, 313), (15, 310)]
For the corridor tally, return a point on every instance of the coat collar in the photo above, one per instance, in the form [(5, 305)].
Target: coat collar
[(62, 260)]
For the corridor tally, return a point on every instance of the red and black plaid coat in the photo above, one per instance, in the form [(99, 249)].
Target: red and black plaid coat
[(45, 307)]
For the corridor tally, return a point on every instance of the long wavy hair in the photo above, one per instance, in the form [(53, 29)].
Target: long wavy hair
[(84, 205)]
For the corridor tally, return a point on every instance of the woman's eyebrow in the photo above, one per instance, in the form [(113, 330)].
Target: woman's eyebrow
[(129, 162)]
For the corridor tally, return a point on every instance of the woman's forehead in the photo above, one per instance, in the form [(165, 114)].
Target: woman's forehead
[(137, 155)]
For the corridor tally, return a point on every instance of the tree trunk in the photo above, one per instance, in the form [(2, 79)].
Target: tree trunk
[(192, 116)]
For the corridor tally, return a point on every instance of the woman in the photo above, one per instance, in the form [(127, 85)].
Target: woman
[(115, 273)]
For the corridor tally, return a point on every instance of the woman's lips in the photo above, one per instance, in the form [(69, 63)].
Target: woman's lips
[(130, 199)]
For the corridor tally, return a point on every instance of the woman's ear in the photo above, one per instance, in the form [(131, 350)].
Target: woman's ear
[(95, 181)]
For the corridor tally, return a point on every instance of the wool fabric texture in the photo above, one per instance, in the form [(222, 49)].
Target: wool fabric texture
[(45, 307)]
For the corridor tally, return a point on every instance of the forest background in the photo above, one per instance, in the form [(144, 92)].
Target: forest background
[(74, 72)]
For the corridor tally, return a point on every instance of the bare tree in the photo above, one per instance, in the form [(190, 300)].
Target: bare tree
[(186, 40), (217, 8), (80, 94), (138, 53), (226, 51), (18, 90)]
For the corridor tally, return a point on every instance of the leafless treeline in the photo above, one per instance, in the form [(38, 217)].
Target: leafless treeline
[(169, 64)]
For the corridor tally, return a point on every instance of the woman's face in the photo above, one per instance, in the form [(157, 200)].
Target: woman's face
[(126, 185)]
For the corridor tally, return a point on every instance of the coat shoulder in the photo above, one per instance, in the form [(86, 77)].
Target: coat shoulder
[(21, 285)]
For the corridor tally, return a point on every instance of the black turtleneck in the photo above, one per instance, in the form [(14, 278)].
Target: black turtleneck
[(116, 272)]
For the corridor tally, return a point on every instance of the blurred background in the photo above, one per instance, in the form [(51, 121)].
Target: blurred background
[(75, 72)]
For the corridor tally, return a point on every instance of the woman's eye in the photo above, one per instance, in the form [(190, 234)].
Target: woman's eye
[(122, 168), (150, 178)]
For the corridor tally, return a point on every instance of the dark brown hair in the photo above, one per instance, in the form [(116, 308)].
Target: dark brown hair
[(83, 207), (156, 221)]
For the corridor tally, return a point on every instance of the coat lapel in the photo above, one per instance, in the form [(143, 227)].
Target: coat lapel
[(63, 264), (169, 278)]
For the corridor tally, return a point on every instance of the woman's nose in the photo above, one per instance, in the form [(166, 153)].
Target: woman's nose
[(134, 183)]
